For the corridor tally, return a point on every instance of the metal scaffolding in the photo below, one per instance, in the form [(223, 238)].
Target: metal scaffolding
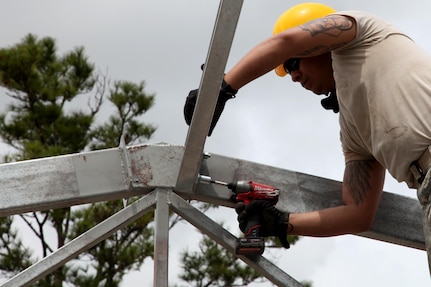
[(165, 177)]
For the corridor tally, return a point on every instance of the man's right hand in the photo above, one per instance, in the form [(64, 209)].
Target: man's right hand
[(226, 93), (274, 222)]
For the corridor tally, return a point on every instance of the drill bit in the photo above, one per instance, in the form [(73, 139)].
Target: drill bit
[(208, 179)]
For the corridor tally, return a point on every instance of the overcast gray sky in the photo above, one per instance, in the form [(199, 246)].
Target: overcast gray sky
[(164, 43)]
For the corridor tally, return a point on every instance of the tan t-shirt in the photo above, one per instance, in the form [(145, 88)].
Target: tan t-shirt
[(383, 82)]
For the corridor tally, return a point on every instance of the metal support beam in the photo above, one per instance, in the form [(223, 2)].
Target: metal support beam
[(301, 193), (62, 181), (221, 42), (83, 242), (155, 168), (99, 176), (161, 243), (163, 201)]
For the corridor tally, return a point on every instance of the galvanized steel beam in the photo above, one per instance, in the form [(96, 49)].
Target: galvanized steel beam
[(163, 201), (80, 178), (62, 181), (221, 42), (398, 218), (83, 242), (161, 242), (224, 238), (102, 175)]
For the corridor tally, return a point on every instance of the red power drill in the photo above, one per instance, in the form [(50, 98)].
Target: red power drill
[(247, 191)]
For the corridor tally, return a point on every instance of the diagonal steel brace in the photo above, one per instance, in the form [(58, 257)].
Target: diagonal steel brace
[(162, 200), (83, 242), (223, 237)]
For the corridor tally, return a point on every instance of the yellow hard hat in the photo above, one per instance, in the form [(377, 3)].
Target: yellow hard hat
[(298, 15)]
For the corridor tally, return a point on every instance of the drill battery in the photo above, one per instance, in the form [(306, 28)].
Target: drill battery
[(250, 246)]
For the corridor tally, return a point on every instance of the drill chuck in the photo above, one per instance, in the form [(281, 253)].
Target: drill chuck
[(240, 186)]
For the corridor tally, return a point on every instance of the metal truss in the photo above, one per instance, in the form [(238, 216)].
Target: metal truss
[(151, 171), (166, 178)]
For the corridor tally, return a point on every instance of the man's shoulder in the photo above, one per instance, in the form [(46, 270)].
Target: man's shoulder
[(356, 13)]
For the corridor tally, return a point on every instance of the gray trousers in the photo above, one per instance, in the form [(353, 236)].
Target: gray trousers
[(423, 193)]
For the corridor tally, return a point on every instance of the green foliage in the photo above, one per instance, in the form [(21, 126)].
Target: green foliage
[(13, 254), (42, 83), (214, 266), (115, 256), (38, 123), (130, 101)]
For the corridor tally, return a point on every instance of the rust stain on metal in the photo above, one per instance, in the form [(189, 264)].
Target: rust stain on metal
[(142, 172), (84, 157)]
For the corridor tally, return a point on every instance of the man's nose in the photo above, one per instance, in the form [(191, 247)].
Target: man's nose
[(296, 76)]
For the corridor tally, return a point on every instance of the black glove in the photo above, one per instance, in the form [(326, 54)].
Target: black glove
[(274, 222), (226, 93)]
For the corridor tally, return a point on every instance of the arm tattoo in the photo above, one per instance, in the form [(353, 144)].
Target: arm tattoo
[(357, 179), (331, 26)]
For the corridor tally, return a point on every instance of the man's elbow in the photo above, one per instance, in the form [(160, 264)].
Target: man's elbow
[(362, 223)]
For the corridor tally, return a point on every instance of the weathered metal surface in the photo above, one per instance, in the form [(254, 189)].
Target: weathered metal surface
[(99, 176), (38, 184), (62, 181), (161, 241), (398, 218), (155, 166), (221, 42)]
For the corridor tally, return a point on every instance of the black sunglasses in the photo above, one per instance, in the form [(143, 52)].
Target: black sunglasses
[(291, 65)]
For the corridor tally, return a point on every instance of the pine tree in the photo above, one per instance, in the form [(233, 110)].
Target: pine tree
[(39, 123), (214, 266)]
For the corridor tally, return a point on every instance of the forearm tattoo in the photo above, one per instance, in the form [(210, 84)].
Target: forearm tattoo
[(357, 179), (331, 26)]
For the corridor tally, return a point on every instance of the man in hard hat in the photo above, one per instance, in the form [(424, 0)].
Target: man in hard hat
[(380, 82)]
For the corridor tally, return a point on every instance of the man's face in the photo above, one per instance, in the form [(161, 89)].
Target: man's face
[(315, 74)]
